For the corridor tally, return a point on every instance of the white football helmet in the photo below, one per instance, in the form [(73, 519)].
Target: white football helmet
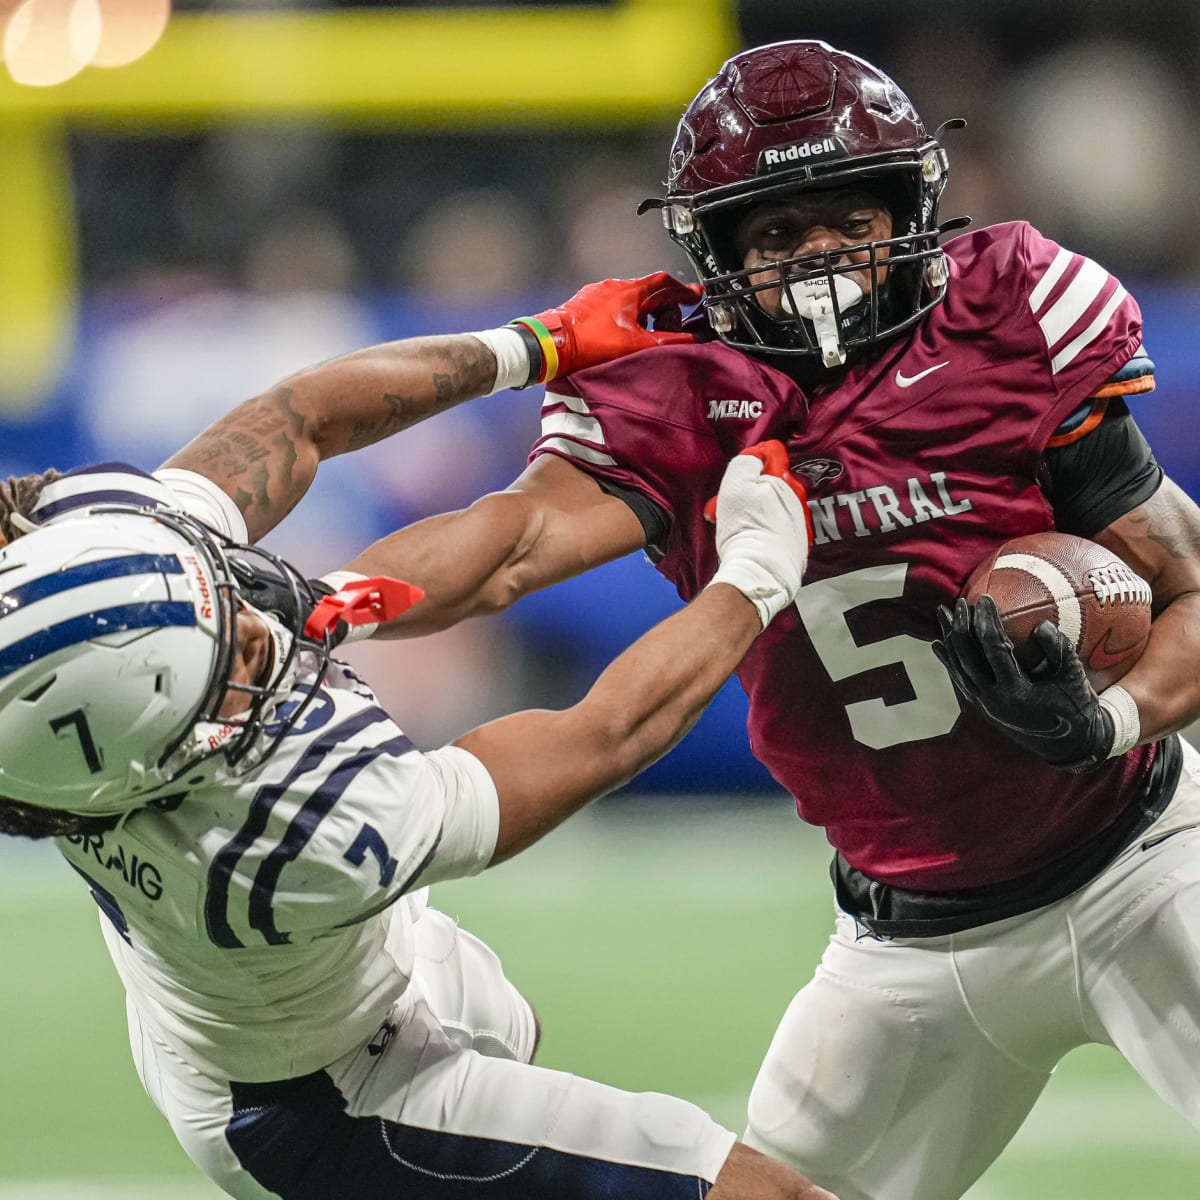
[(117, 640)]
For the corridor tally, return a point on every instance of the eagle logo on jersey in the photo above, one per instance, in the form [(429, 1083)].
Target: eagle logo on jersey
[(820, 470)]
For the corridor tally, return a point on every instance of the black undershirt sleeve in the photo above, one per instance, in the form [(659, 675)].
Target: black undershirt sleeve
[(1104, 475), (655, 522)]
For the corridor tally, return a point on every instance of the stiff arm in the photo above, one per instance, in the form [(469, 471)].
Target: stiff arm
[(553, 523), (545, 765), (264, 453)]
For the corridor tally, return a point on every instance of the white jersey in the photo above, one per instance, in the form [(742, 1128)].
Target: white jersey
[(247, 916), (303, 1023)]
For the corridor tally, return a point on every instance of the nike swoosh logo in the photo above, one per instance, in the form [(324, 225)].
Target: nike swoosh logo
[(1060, 728), (906, 381), (1101, 657)]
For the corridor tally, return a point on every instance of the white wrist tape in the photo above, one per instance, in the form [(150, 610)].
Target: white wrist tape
[(1127, 723), (337, 580), (201, 498), (756, 583), (512, 358)]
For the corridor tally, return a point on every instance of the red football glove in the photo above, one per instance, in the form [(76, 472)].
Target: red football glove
[(774, 458), (607, 320), (362, 602)]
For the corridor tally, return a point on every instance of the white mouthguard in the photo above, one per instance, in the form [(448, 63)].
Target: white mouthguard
[(811, 300)]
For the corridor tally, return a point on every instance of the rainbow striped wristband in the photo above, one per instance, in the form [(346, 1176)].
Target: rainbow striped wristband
[(544, 366)]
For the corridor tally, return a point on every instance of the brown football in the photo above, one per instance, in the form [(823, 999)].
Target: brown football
[(1087, 591)]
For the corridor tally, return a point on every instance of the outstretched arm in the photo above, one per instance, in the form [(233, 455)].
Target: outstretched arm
[(264, 454), (553, 523), (547, 765)]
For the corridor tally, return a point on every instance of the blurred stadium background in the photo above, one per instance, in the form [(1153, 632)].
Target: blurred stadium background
[(248, 187)]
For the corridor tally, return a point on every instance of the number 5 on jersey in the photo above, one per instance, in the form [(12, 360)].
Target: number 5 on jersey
[(824, 607)]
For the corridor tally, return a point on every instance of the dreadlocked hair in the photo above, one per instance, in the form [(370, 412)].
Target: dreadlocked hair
[(29, 821), (18, 495)]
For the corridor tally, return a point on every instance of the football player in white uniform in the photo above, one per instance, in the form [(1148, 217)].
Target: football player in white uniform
[(258, 835)]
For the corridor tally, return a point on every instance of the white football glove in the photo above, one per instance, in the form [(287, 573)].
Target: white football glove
[(763, 529)]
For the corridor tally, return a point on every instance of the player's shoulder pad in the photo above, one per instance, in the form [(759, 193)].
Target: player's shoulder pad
[(994, 249), (990, 277), (83, 488), (1135, 378)]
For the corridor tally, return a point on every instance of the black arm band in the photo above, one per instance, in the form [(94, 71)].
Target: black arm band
[(534, 350), (1105, 474), (655, 523)]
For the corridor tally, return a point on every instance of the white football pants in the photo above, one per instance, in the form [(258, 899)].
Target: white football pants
[(905, 1067), (440, 1103)]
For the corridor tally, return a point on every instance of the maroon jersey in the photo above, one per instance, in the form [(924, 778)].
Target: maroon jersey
[(920, 462)]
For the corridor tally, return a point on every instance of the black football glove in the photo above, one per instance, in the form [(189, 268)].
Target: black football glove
[(1053, 710), (260, 585)]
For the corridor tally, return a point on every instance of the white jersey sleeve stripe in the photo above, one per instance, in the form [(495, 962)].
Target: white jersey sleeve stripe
[(572, 425), (1046, 284), (574, 403), (1078, 296), (1065, 356), (577, 450)]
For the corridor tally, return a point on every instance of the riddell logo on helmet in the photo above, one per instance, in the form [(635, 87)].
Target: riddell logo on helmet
[(200, 580), (780, 156), (214, 741)]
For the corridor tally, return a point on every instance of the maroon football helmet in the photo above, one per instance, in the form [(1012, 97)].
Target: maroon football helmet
[(802, 116)]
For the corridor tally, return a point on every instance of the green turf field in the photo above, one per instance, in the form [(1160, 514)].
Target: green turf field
[(659, 952)]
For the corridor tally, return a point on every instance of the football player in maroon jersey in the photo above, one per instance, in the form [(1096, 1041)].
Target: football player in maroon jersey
[(1017, 873)]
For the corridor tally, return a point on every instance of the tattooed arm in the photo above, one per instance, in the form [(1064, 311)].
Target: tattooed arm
[(1160, 540), (265, 452)]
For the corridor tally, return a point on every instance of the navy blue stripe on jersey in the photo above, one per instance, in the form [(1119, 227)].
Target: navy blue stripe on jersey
[(300, 832), (154, 615), (70, 490), (296, 1140), (391, 897), (106, 902), (85, 573), (225, 862), (55, 508), (107, 468)]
